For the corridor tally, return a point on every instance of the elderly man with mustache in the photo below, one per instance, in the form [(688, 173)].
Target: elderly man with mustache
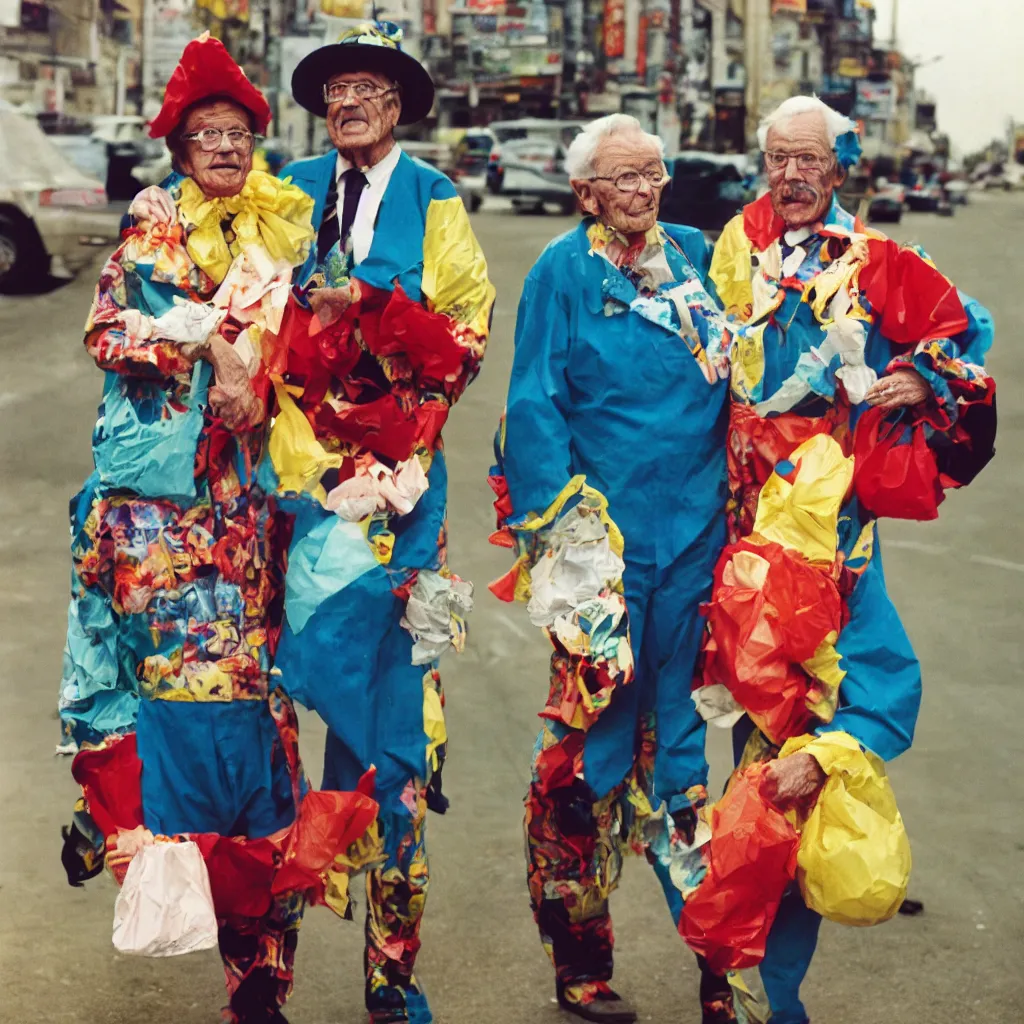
[(386, 327), (611, 491), (846, 344)]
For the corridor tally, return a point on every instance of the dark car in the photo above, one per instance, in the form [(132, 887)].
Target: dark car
[(886, 205), (705, 190)]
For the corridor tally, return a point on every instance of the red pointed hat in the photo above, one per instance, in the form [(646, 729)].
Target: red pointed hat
[(207, 69)]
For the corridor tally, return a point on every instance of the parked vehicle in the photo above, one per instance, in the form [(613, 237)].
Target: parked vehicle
[(706, 190), (886, 205), (48, 208), (958, 191), (526, 162), (924, 197)]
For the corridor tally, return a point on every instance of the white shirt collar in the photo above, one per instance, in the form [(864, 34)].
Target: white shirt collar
[(797, 235), (379, 174)]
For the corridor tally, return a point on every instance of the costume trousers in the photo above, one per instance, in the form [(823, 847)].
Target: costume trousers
[(230, 768), (396, 896)]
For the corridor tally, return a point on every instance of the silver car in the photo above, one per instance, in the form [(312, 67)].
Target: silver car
[(51, 214)]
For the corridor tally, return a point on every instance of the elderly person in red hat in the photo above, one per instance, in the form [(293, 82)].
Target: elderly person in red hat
[(387, 327), (167, 689)]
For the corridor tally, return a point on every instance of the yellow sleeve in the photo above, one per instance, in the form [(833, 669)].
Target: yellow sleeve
[(455, 279), (730, 269)]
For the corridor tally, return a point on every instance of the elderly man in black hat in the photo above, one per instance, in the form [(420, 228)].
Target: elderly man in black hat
[(386, 326)]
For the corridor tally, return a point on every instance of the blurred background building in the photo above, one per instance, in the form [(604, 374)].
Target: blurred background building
[(699, 72)]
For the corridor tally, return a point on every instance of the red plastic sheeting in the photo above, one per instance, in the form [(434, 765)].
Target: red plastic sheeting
[(751, 860)]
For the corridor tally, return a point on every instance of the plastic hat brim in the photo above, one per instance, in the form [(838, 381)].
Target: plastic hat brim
[(405, 71)]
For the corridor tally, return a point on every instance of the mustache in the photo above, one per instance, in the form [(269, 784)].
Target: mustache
[(355, 115), (799, 190)]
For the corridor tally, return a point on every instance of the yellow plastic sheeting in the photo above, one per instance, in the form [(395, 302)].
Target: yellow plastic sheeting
[(454, 269), (853, 865), (594, 498), (803, 515), (747, 362), (269, 213), (823, 667), (433, 722), (730, 269), (298, 458)]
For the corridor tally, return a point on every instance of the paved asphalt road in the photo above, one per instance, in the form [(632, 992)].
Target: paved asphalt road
[(958, 582)]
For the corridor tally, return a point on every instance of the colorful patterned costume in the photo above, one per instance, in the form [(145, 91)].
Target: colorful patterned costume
[(611, 488), (803, 636), (177, 588), (370, 602)]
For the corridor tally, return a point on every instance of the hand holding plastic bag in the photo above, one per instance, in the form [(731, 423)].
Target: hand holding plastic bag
[(165, 907), (752, 858), (854, 859)]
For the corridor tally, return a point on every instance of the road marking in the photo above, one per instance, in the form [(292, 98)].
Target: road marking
[(937, 549)]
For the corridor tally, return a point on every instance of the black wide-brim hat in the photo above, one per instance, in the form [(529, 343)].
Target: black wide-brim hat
[(370, 47)]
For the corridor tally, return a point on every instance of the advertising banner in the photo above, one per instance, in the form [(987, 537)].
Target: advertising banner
[(614, 28)]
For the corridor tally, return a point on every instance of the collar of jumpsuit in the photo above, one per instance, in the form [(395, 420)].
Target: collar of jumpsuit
[(377, 178)]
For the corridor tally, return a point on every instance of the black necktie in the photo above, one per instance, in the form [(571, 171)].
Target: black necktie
[(330, 229)]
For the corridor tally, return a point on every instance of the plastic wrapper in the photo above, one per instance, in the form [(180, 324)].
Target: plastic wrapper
[(165, 907), (577, 565), (751, 857), (771, 611), (377, 488), (298, 458), (896, 475), (151, 456), (854, 860), (435, 614), (799, 503)]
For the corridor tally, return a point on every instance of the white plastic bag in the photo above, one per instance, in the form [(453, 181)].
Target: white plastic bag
[(165, 907)]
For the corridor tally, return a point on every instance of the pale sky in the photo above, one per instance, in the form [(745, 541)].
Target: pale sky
[(979, 83)]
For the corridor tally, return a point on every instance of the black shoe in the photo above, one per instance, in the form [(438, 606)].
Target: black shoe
[(606, 1007)]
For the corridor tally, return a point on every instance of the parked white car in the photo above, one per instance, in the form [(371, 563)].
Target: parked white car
[(51, 214)]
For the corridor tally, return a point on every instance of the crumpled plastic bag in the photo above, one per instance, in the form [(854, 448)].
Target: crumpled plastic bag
[(895, 476), (799, 504), (435, 614), (377, 488), (770, 612), (165, 907), (752, 857), (854, 860), (577, 565), (299, 459)]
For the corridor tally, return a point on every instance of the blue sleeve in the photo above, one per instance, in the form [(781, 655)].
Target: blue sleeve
[(537, 459), (881, 695)]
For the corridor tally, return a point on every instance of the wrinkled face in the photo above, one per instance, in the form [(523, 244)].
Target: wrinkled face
[(801, 184), (223, 171), (359, 123), (618, 157)]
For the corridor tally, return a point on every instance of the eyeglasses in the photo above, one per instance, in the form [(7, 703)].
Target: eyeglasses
[(336, 92), (209, 139), (630, 181), (804, 161)]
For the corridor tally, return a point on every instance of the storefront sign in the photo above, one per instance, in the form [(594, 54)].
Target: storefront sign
[(850, 67), (876, 101), (641, 48), (614, 28), (790, 6)]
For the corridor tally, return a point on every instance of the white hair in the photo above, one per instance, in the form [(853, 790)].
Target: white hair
[(579, 158), (836, 124)]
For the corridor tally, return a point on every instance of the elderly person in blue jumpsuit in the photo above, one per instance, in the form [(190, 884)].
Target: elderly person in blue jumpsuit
[(386, 327), (837, 329), (611, 491)]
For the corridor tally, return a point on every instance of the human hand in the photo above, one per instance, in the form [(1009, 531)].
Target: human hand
[(232, 397), (329, 304), (793, 779), (152, 206), (898, 389)]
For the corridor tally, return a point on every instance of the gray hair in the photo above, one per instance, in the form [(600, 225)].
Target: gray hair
[(579, 158), (836, 124)]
